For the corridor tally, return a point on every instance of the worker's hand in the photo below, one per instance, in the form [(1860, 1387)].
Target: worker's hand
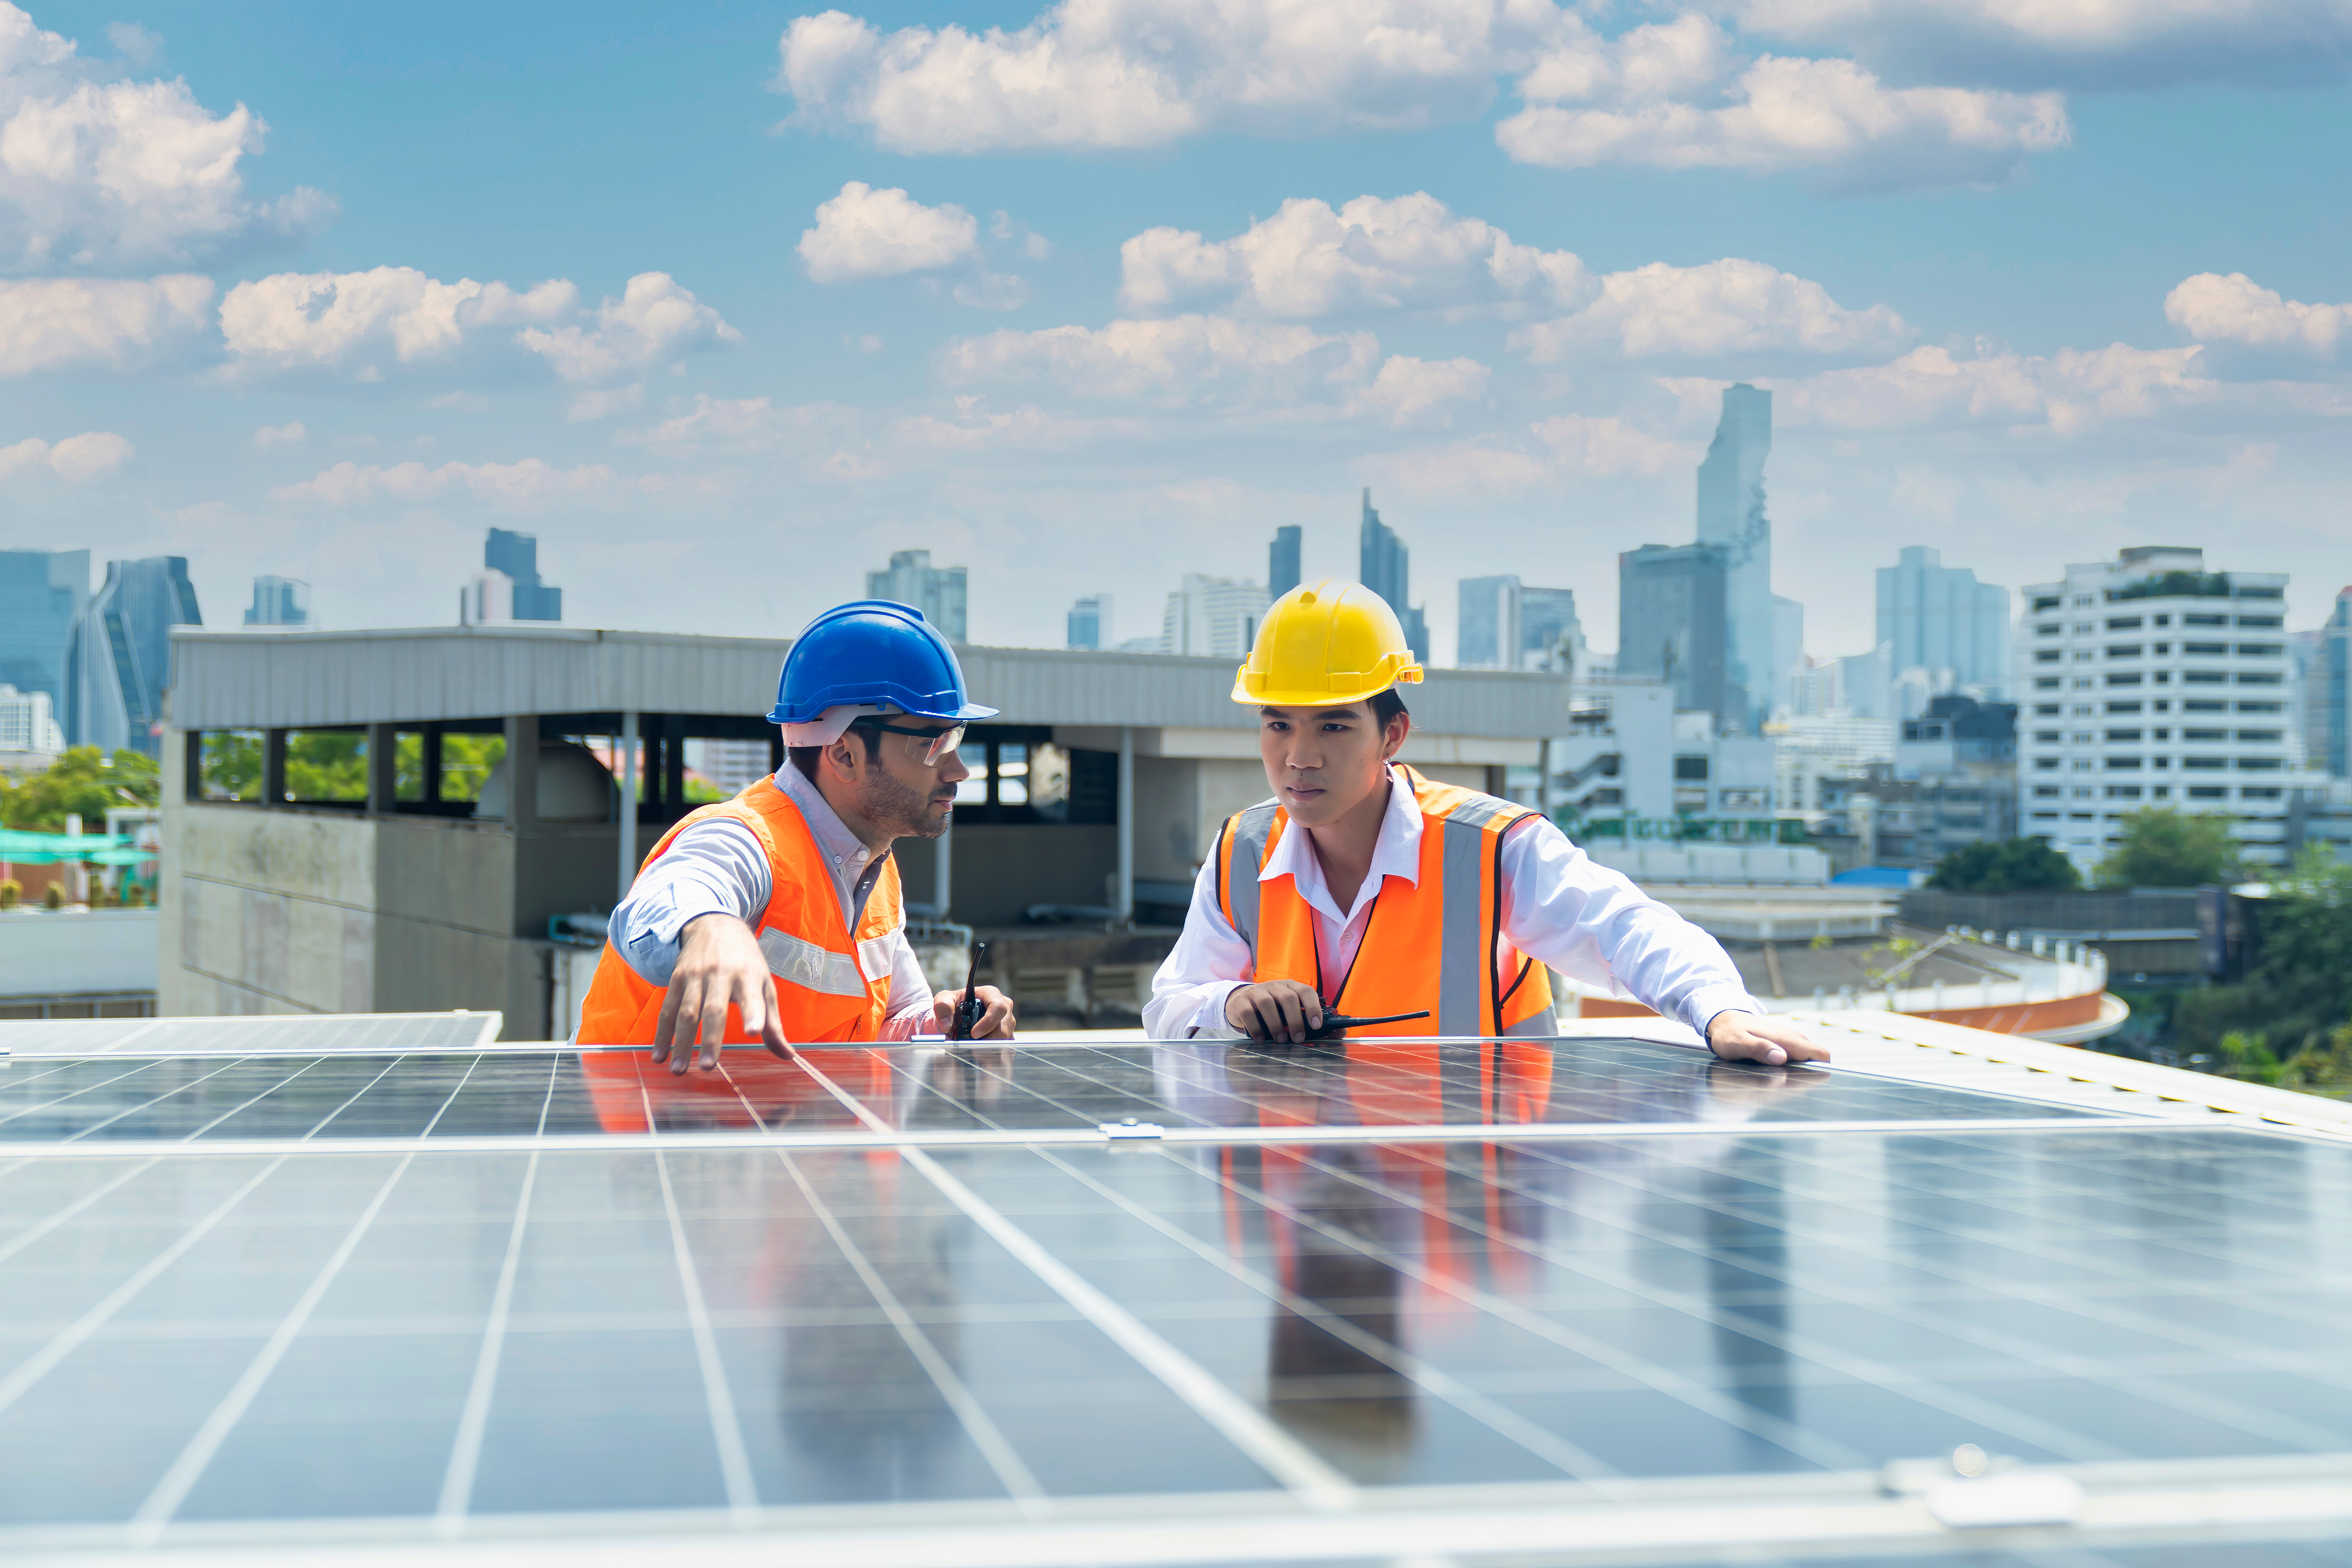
[(1279, 1011), (718, 964), (995, 1018), (1748, 1038)]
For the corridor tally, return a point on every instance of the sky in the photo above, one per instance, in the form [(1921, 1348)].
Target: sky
[(726, 302)]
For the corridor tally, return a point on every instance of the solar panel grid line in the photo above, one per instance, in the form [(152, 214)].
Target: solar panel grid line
[(473, 1420), (44, 1105), (1315, 1484), (41, 1227), (149, 1521), (357, 1095), (2284, 1430), (40, 1362), (726, 1429), (255, 1101)]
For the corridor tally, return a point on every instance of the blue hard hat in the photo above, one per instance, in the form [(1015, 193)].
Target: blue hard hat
[(872, 652)]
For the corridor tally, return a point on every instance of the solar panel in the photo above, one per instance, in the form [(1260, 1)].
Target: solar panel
[(284, 1031), (1565, 1301)]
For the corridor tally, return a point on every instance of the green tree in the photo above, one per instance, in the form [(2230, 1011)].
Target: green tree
[(2296, 1004), (85, 781), (327, 765), (2163, 848), (2012, 866), (230, 764)]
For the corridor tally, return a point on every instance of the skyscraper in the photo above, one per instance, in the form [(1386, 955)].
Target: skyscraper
[(1089, 623), (937, 591), (1487, 625), (1937, 617), (1282, 562), (1731, 517), (41, 592), (1671, 620), (1550, 636), (119, 656), (1212, 616), (280, 602), (517, 555), (2327, 692), (1385, 566)]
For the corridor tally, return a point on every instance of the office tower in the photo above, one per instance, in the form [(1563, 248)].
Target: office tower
[(1282, 562), (1212, 616), (118, 655), (1487, 625), (280, 602), (1090, 622), (2149, 681), (2326, 678), (1550, 636), (1788, 645), (1731, 518), (1671, 622), (937, 591), (1385, 566), (1937, 617), (41, 592), (517, 555)]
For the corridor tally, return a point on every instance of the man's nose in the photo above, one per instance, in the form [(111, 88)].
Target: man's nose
[(952, 769)]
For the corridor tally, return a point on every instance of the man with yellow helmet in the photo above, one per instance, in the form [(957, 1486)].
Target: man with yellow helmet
[(1363, 887)]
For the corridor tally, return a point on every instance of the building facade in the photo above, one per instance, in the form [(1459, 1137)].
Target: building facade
[(1385, 566), (41, 592), (940, 591), (2150, 680), (1732, 518), (517, 555), (1550, 636), (1961, 757), (118, 655), (1282, 560), (1089, 622), (280, 602), (1671, 622), (28, 723), (1937, 617), (1212, 616), (2325, 669), (1486, 623)]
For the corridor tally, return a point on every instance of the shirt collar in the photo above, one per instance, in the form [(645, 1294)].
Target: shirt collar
[(1395, 853), (843, 851)]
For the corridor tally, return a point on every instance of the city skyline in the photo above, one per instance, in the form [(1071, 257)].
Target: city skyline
[(1090, 352)]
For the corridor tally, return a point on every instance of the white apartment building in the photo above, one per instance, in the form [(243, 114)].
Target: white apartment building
[(28, 723), (2149, 680), (1212, 616), (1808, 747)]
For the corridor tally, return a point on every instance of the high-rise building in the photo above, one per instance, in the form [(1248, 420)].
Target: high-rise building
[(517, 555), (1215, 616), (1486, 624), (1385, 566), (1671, 621), (1731, 518), (119, 656), (280, 602), (28, 722), (2149, 680), (2326, 676), (937, 591), (1937, 617), (1089, 622), (1788, 646), (1282, 562), (41, 592), (1550, 636)]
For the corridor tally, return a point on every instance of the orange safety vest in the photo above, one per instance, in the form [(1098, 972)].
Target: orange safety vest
[(830, 984), (1437, 943)]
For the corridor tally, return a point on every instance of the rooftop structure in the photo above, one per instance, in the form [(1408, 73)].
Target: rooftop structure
[(940, 591)]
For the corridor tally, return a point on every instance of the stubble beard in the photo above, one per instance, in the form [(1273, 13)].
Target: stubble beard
[(907, 812)]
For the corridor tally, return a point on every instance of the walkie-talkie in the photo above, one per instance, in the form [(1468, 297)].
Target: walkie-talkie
[(968, 1011), (1336, 1026)]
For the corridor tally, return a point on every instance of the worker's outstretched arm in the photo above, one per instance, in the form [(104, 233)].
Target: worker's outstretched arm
[(720, 965)]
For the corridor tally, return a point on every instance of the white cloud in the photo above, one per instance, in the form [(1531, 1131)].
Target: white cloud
[(1182, 362), (1407, 390), (75, 458), (270, 436), (528, 483), (47, 323), (2237, 311), (1676, 95), (1373, 253), (1609, 446), (1138, 73), (121, 173), (655, 319), (1465, 468), (866, 233), (1724, 307), (1025, 428), (2064, 392), (325, 319), (2091, 43)]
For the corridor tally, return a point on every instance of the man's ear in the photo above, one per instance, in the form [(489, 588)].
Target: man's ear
[(843, 755), (1393, 736)]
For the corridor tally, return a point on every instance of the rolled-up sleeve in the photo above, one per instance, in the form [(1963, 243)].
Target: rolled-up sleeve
[(909, 1012), (1562, 908), (1208, 963), (713, 868)]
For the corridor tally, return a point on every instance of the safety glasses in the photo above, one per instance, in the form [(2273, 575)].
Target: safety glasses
[(942, 741)]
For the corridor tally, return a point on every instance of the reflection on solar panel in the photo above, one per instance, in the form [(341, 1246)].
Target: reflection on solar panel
[(1576, 1301)]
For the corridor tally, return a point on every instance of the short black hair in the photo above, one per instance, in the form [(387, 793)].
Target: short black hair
[(1387, 705), (804, 757)]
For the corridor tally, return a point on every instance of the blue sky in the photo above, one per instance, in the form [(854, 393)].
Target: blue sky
[(2030, 283)]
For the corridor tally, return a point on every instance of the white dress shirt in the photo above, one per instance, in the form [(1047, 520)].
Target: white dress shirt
[(717, 866), (1560, 907)]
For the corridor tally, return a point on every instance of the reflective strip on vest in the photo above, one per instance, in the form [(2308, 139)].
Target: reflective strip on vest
[(1462, 929), (1251, 831), (876, 953), (811, 967)]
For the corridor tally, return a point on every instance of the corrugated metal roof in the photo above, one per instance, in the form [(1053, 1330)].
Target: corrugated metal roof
[(233, 679)]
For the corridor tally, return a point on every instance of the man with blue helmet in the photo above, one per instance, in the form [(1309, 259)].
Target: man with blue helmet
[(775, 917)]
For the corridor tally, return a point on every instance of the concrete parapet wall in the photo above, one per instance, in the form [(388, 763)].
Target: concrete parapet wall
[(49, 952)]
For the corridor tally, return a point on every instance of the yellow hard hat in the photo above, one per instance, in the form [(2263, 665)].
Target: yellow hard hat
[(1325, 644)]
